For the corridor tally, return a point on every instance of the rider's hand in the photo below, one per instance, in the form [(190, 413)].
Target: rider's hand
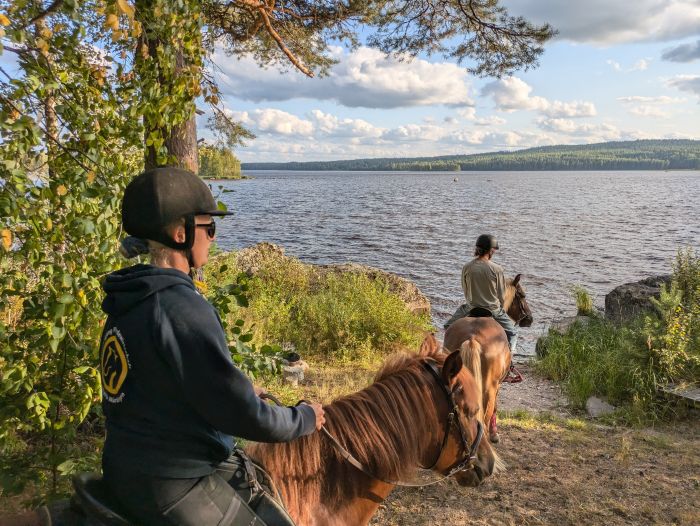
[(320, 415), (259, 390)]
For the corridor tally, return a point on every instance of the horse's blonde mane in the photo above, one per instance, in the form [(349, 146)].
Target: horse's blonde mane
[(471, 358), (509, 295)]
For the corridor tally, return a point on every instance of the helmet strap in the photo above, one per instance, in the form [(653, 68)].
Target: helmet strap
[(186, 246)]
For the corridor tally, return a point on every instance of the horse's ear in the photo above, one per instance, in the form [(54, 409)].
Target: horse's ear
[(429, 346), (452, 367), (516, 280)]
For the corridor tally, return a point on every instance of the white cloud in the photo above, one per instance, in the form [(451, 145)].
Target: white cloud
[(663, 99), (615, 65), (363, 78), (416, 132), (604, 131), (648, 111), (640, 65), (690, 83), (683, 53), (570, 109), (274, 121), (603, 22), (511, 94), (643, 106), (470, 115), (331, 125)]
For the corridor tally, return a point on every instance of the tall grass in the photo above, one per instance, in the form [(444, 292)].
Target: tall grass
[(600, 358), (346, 316), (628, 363), (584, 302)]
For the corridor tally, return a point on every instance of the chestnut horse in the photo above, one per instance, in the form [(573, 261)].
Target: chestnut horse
[(486, 339), (392, 427), (414, 414)]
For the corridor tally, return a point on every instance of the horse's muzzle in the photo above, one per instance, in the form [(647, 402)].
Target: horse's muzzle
[(526, 321)]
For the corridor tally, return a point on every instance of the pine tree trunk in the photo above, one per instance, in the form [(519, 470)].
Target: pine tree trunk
[(181, 141)]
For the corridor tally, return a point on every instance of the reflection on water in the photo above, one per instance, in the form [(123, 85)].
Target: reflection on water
[(596, 229)]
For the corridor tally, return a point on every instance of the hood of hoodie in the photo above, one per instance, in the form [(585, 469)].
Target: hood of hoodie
[(130, 286)]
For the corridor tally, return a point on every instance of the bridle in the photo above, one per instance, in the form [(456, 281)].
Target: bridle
[(523, 311), (469, 451)]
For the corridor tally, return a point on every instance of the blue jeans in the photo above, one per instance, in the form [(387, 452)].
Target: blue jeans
[(500, 316)]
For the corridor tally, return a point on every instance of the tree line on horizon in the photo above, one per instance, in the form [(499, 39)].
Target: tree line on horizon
[(630, 155)]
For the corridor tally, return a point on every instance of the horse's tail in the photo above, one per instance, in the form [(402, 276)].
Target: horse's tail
[(471, 357)]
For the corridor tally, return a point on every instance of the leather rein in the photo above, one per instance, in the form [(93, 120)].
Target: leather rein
[(469, 451)]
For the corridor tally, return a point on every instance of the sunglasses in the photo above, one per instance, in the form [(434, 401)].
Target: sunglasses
[(211, 228)]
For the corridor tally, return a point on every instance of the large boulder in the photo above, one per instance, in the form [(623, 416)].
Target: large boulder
[(630, 300), (251, 259)]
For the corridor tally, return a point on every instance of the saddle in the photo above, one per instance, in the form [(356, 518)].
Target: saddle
[(480, 312), (250, 481)]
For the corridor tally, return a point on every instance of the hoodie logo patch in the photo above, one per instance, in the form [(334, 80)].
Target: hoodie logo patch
[(114, 362)]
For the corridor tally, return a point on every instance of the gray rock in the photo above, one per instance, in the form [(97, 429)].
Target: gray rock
[(630, 300), (597, 407), (293, 374)]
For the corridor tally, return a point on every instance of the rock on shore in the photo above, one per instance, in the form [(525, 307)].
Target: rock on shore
[(631, 299), (251, 259)]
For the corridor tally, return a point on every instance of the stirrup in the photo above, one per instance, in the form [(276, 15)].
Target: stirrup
[(513, 376)]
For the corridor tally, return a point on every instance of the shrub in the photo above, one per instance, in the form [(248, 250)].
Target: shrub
[(342, 315), (628, 364), (674, 337), (584, 302)]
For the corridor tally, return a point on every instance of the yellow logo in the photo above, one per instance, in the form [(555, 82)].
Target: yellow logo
[(114, 363)]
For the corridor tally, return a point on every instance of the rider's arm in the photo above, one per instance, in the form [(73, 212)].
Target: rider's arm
[(501, 286), (194, 344)]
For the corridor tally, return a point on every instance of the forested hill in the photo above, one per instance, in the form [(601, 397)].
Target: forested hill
[(628, 155)]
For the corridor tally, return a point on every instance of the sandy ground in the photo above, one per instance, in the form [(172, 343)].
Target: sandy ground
[(566, 470)]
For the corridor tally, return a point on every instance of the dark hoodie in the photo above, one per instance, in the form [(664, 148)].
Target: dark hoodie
[(171, 394)]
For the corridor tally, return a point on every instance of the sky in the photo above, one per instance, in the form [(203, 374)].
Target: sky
[(617, 70)]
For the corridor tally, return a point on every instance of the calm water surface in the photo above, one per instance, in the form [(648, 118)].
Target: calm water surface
[(595, 229)]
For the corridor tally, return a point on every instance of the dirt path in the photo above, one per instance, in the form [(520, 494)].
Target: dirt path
[(566, 471), (534, 394)]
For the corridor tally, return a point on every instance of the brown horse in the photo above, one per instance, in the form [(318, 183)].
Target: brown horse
[(413, 415), (392, 427), (486, 339)]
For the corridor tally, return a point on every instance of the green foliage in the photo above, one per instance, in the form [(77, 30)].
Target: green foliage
[(599, 358), (631, 155), (674, 337), (302, 32), (254, 359), (218, 163), (584, 302), (72, 125), (628, 364), (341, 315)]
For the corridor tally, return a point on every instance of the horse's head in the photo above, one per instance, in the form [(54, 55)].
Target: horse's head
[(518, 309), (464, 445)]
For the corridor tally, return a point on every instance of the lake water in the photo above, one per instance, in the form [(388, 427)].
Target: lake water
[(595, 229)]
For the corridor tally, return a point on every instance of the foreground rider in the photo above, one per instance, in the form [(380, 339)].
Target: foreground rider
[(172, 397), (484, 286)]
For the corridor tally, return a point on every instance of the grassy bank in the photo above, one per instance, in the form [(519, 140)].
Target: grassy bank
[(628, 363), (347, 316)]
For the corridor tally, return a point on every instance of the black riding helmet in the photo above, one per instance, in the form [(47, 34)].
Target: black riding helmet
[(158, 197), (486, 242)]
